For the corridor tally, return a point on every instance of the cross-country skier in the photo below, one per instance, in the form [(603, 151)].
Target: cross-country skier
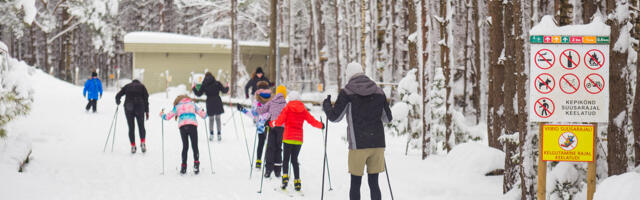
[(92, 91), (292, 117), (262, 96), (212, 88), (366, 107), (136, 107), (256, 77), (185, 111), (273, 157)]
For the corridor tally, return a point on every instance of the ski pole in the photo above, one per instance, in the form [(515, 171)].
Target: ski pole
[(388, 181), (162, 123), (110, 128), (324, 161), (246, 144), (232, 118), (325, 153), (255, 143), (113, 139), (208, 146), (266, 146)]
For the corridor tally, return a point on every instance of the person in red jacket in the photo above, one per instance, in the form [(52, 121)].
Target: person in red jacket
[(292, 117)]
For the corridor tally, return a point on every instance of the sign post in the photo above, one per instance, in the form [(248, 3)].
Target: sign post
[(569, 70)]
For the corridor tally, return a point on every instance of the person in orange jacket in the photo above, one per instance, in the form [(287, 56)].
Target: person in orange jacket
[(292, 117)]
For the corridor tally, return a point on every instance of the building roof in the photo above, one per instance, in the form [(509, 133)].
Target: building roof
[(176, 43)]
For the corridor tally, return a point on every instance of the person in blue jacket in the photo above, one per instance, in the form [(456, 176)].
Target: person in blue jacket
[(92, 91)]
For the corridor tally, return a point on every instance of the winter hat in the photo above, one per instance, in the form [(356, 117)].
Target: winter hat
[(353, 69), (94, 74), (294, 96), (259, 71), (281, 89), (263, 85)]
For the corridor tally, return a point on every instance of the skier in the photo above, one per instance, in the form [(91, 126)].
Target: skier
[(292, 117), (262, 96), (274, 142), (185, 111), (366, 107), (136, 106), (256, 77), (212, 88), (92, 88)]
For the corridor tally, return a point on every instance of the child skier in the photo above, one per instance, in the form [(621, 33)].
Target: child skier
[(262, 96), (292, 117), (212, 88), (274, 140), (92, 91), (185, 111)]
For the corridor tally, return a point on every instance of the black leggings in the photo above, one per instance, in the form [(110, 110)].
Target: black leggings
[(186, 132), (291, 152), (92, 103), (274, 148), (261, 138), (140, 118), (354, 192)]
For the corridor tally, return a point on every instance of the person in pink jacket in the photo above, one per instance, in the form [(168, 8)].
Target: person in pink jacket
[(185, 111)]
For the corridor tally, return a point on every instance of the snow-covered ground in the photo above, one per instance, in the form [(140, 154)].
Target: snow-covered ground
[(68, 161)]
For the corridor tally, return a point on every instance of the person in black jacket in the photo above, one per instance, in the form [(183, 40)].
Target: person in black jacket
[(366, 108), (256, 77), (136, 105), (212, 88)]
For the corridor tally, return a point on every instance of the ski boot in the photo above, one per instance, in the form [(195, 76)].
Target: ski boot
[(143, 147), (133, 149), (219, 137), (297, 183), (211, 136), (277, 171), (285, 181), (196, 167), (258, 164), (183, 169), (267, 172)]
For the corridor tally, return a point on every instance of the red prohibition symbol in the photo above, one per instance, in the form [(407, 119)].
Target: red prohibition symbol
[(544, 83), (569, 83), (594, 83), (544, 107), (594, 59), (570, 59), (544, 59)]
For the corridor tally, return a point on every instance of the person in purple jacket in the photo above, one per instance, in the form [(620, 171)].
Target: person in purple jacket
[(273, 156)]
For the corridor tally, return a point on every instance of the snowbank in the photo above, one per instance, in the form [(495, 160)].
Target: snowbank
[(13, 150), (172, 38), (621, 187), (475, 159), (547, 26), (3, 47)]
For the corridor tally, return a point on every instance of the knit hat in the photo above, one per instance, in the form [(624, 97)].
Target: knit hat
[(353, 69), (94, 74), (293, 96), (259, 71), (281, 89)]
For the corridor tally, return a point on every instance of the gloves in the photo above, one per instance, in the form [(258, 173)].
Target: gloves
[(118, 102), (147, 114), (240, 108), (272, 124), (326, 104), (323, 125), (246, 96)]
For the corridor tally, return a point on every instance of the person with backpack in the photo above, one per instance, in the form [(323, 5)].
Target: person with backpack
[(92, 91), (185, 111), (273, 156), (136, 105), (212, 88), (293, 115), (262, 96), (256, 77), (366, 108)]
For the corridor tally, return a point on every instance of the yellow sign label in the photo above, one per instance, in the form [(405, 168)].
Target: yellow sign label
[(573, 143), (556, 39), (589, 39)]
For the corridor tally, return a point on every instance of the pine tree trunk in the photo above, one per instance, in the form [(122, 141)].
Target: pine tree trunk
[(588, 9), (617, 140), (510, 147), (521, 90), (465, 72), (413, 27), (636, 99), (273, 34), (426, 138), (446, 70), (234, 47), (477, 65), (496, 74), (563, 12), (338, 67)]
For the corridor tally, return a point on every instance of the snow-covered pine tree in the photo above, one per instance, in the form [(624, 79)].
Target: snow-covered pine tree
[(407, 120), (16, 95), (437, 102)]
